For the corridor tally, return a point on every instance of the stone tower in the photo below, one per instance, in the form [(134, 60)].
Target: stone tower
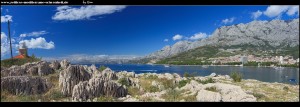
[(23, 49)]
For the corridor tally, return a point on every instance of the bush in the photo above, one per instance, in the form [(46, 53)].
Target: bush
[(134, 91), (236, 76), (209, 80), (153, 89), (124, 81), (286, 88), (258, 95), (183, 83), (172, 95), (186, 74), (153, 77), (213, 89), (105, 99), (101, 68)]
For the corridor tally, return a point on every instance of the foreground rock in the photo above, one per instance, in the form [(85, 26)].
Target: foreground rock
[(40, 68), (71, 76), (19, 85), (97, 87)]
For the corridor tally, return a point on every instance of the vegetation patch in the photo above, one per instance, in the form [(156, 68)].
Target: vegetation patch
[(209, 80), (236, 76), (213, 89)]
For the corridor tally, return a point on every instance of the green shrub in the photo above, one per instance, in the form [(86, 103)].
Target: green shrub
[(258, 95), (236, 76), (183, 83), (172, 95), (124, 81), (134, 91), (153, 89), (213, 89), (152, 77), (209, 80), (105, 99), (286, 88), (101, 68)]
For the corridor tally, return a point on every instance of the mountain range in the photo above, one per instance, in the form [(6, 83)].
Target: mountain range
[(269, 35)]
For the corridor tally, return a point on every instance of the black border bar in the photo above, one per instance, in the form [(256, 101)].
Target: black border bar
[(148, 2)]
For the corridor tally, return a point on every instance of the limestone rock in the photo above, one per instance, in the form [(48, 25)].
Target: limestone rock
[(97, 87), (71, 76), (64, 64), (44, 69), (232, 93), (55, 65), (19, 85), (208, 96)]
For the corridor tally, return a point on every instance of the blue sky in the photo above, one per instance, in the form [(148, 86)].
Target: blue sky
[(59, 31)]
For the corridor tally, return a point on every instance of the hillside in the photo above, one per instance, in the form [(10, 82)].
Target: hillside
[(277, 37)]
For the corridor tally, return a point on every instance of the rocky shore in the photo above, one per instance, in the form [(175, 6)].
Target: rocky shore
[(60, 81)]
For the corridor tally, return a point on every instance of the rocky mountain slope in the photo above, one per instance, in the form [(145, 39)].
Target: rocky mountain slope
[(275, 34)]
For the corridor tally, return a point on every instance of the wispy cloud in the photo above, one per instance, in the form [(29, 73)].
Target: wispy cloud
[(33, 34), (255, 15), (228, 20), (177, 37), (6, 18), (199, 35), (84, 12), (166, 40)]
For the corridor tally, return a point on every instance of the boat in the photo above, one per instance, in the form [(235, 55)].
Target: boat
[(167, 65), (205, 66)]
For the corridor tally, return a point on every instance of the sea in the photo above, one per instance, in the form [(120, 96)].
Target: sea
[(288, 75)]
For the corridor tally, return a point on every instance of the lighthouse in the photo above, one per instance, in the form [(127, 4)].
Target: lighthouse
[(22, 51)]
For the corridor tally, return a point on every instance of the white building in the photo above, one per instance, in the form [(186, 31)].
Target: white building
[(244, 59), (280, 60)]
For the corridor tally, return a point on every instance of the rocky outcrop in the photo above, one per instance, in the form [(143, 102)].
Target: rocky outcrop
[(55, 65), (40, 68), (64, 64), (44, 69), (14, 71), (107, 74), (71, 76), (232, 93), (208, 96), (96, 87), (24, 85)]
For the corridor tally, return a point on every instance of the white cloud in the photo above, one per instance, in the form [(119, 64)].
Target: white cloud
[(6, 18), (34, 34), (278, 10), (255, 15), (292, 10), (227, 21), (4, 44), (198, 36), (275, 10), (166, 40), (84, 12), (177, 37), (38, 43)]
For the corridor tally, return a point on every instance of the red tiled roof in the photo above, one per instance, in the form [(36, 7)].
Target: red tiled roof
[(20, 56)]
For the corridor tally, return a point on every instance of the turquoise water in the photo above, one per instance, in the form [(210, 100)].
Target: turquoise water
[(266, 74)]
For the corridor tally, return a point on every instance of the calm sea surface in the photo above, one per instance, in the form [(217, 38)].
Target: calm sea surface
[(266, 74)]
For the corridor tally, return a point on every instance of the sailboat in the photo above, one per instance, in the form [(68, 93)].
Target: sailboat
[(166, 65)]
